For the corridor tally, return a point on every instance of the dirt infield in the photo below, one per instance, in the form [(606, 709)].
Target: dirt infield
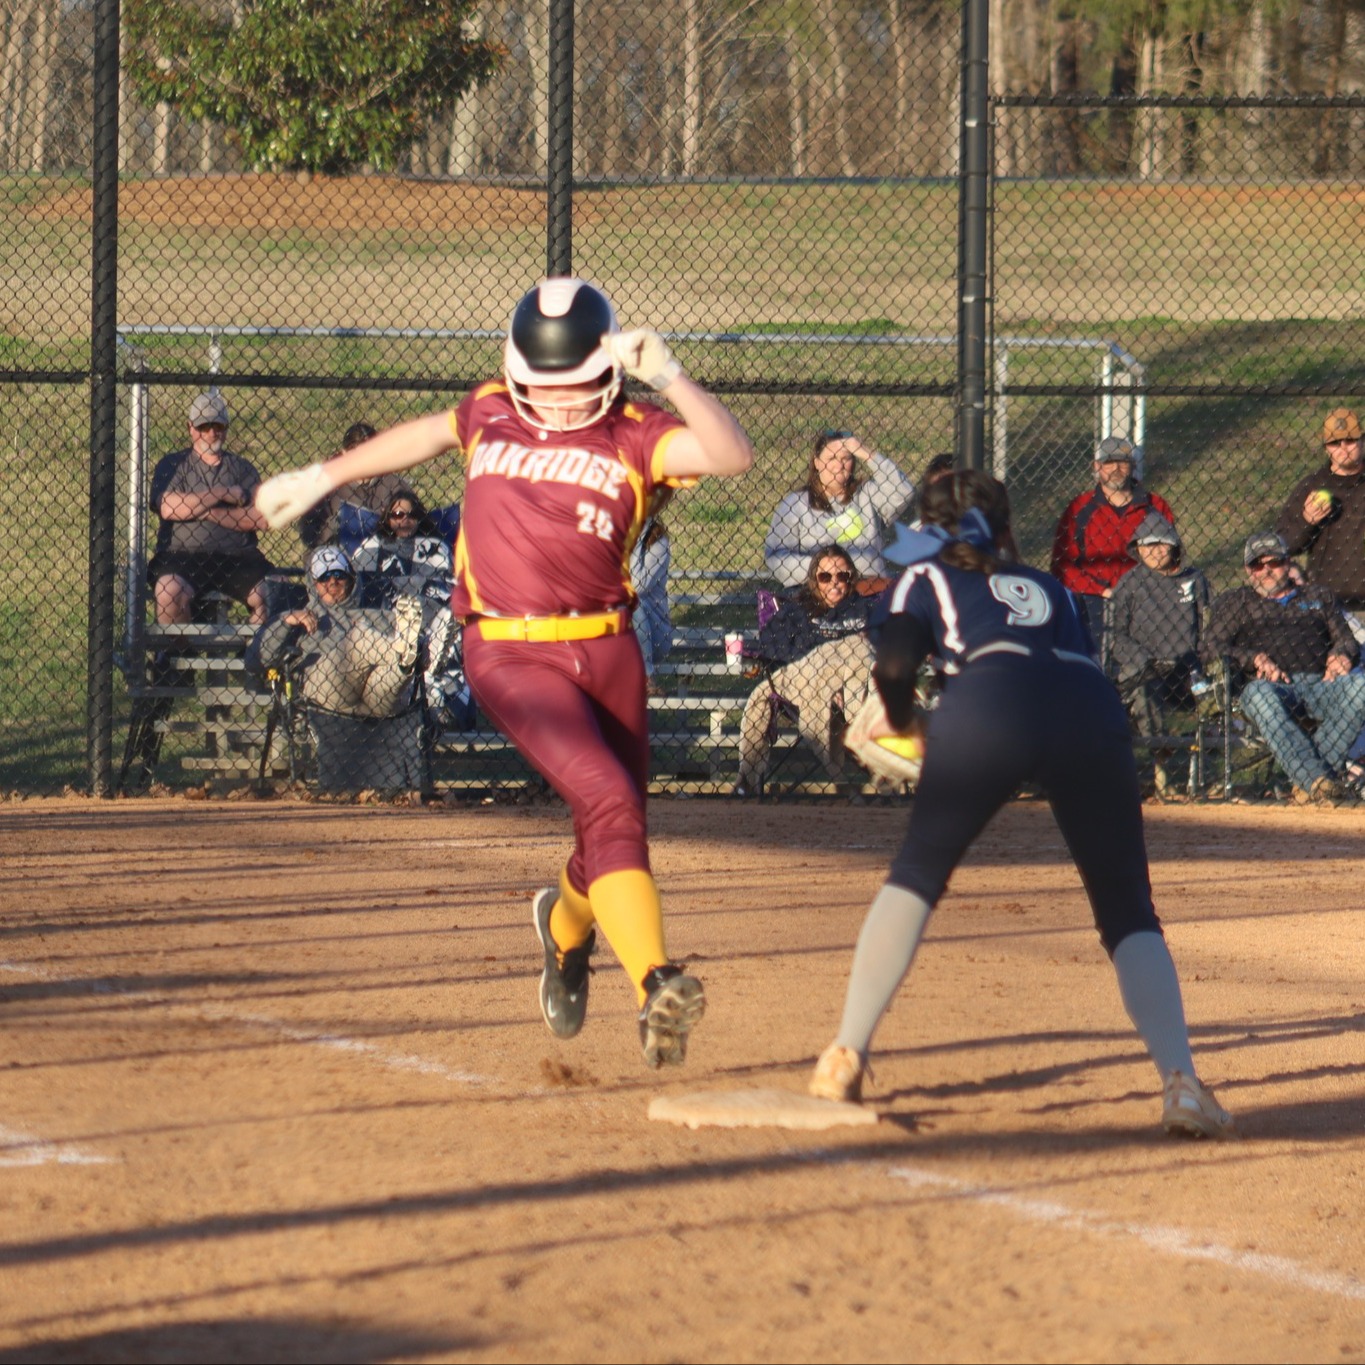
[(275, 1087)]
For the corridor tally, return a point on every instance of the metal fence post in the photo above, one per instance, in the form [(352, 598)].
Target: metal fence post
[(973, 206), (103, 400), (559, 143)]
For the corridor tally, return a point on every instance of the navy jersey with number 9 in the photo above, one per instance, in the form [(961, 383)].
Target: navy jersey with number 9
[(954, 613)]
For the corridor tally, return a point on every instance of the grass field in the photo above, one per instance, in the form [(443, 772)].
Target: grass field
[(1205, 285)]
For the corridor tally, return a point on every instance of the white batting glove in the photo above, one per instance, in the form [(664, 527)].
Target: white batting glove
[(643, 355), (286, 497)]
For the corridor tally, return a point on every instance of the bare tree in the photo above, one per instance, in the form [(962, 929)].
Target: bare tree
[(1323, 134), (1066, 153), (14, 79), (1251, 76), (827, 13), (1148, 136), (44, 58), (690, 111)]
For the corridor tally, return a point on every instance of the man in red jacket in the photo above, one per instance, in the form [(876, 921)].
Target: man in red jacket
[(1090, 547)]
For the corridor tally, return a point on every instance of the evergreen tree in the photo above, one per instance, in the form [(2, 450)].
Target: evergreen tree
[(322, 87)]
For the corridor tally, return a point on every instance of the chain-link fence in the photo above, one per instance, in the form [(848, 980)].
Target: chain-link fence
[(1173, 261)]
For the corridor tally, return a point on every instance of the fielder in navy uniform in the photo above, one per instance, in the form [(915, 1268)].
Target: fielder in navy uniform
[(1024, 701)]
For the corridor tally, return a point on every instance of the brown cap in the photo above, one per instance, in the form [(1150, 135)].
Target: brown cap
[(1341, 425)]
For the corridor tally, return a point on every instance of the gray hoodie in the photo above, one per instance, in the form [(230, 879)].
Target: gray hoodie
[(860, 526), (349, 664), (1156, 616)]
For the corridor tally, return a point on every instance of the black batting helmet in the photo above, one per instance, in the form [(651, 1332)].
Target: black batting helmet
[(554, 340)]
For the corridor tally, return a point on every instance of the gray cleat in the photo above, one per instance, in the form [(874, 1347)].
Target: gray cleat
[(674, 1003), (564, 982)]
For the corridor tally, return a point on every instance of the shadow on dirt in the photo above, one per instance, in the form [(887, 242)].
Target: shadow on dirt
[(245, 1340)]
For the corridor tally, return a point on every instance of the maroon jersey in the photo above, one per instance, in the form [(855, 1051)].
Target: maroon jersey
[(549, 517)]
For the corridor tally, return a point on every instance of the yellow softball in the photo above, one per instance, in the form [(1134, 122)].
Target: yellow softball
[(907, 747)]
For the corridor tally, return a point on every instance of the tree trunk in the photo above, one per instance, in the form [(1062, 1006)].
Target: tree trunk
[(1251, 76), (1147, 131), (462, 155), (1123, 79), (1352, 161), (538, 47), (12, 81), (798, 154), (691, 87), (900, 49), (126, 115), (44, 56), (161, 140), (1065, 71), (1324, 134), (1001, 83), (827, 14), (208, 147), (1192, 83)]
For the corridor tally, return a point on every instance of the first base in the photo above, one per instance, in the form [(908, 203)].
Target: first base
[(757, 1109)]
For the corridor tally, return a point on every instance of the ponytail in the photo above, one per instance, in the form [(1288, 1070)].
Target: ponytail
[(975, 509)]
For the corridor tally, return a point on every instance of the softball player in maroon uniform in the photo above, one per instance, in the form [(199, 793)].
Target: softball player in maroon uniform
[(560, 472)]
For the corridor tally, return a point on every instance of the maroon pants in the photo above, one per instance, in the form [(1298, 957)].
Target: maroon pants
[(578, 713)]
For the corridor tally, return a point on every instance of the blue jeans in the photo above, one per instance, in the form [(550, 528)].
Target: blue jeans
[(1337, 706)]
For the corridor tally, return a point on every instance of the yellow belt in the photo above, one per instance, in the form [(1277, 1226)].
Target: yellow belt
[(544, 629)]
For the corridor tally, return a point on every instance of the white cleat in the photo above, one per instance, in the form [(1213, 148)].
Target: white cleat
[(838, 1076), (1190, 1110)]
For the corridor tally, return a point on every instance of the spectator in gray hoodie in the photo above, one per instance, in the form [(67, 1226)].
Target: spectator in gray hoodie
[(357, 672), (1158, 610)]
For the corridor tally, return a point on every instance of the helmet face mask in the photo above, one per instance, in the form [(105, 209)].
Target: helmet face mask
[(554, 341)]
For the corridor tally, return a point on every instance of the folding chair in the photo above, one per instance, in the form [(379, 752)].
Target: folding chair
[(1246, 755)]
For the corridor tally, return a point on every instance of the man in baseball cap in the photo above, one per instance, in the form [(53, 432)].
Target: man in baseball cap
[(1294, 645), (1090, 548), (205, 497), (357, 671), (1155, 615), (1324, 515)]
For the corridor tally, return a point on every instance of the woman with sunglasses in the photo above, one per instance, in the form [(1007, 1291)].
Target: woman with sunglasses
[(401, 557), (849, 498), (1025, 701), (405, 558), (817, 659)]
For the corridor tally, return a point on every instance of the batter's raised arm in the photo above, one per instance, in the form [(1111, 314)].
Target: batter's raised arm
[(287, 497), (713, 441)]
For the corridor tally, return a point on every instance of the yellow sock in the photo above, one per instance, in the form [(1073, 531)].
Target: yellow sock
[(626, 906), (571, 919)]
